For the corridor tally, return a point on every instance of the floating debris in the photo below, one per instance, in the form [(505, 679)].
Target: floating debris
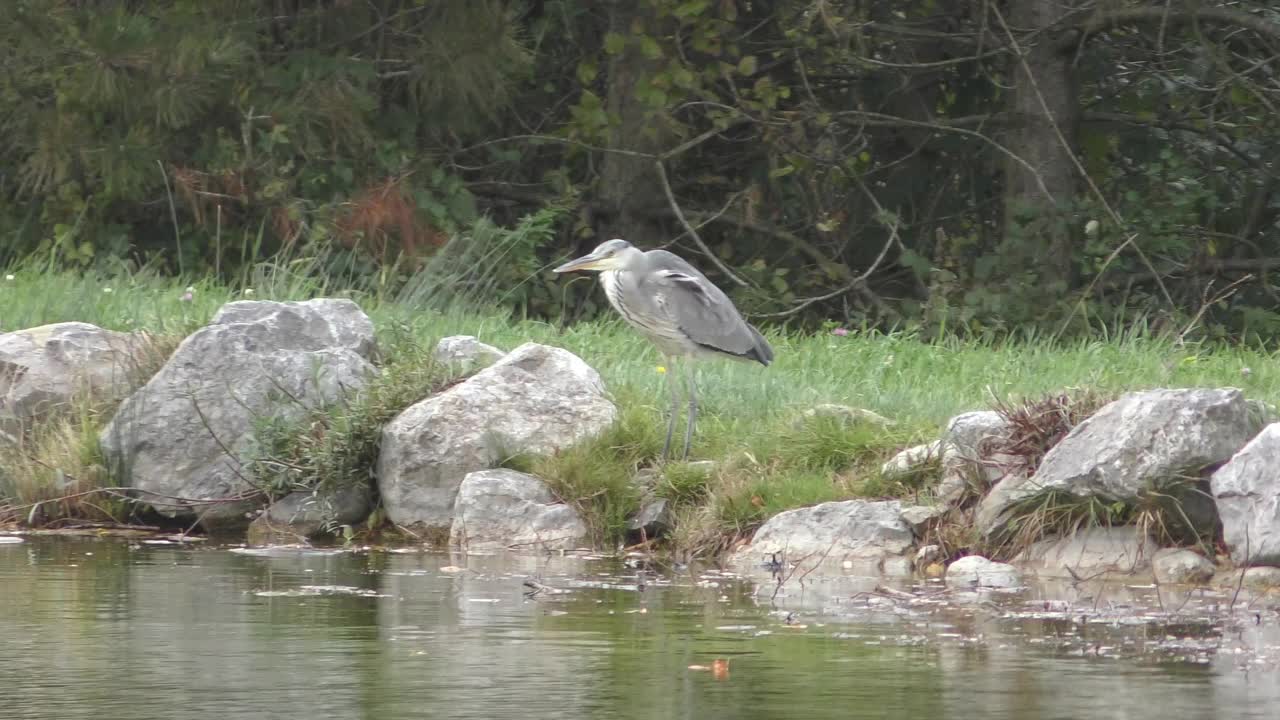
[(287, 551), (10, 540), (320, 590)]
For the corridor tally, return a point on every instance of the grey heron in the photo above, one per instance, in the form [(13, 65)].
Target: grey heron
[(678, 309)]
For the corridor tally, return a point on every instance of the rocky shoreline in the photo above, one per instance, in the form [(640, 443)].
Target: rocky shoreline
[(1182, 485)]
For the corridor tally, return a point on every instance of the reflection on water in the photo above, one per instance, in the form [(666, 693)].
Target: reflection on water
[(106, 629)]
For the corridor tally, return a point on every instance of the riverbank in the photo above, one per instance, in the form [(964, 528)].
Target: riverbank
[(772, 453)]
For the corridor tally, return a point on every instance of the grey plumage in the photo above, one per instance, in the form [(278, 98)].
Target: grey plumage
[(677, 308)]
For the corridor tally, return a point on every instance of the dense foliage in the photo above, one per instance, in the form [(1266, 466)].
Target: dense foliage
[(961, 166)]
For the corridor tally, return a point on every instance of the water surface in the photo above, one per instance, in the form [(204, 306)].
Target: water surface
[(109, 629)]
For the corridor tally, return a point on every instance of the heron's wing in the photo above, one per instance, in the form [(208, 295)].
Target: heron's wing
[(700, 309)]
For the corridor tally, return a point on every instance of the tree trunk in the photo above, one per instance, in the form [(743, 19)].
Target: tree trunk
[(1038, 194), (629, 191)]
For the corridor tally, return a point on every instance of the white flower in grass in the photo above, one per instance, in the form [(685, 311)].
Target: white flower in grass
[(106, 290), (9, 277), (248, 291)]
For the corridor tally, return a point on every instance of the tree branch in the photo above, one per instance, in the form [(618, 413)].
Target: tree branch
[(693, 233), (1108, 19)]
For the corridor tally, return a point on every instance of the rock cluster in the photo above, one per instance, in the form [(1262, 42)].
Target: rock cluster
[(1205, 460)]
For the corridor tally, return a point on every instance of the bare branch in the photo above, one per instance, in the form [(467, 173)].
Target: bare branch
[(693, 233), (1112, 18)]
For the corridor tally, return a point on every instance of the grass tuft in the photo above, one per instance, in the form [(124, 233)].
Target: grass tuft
[(1036, 425)]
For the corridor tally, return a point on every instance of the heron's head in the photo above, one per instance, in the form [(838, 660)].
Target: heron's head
[(609, 255)]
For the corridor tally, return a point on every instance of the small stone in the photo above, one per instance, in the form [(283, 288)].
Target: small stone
[(1262, 578), (844, 414), (912, 459), (1180, 566), (928, 555), (977, 571), (653, 517), (465, 352), (921, 517)]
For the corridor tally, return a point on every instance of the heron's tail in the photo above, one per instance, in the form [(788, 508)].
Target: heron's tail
[(760, 351)]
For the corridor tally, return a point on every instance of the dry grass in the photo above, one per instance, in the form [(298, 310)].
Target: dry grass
[(1036, 425), (55, 469)]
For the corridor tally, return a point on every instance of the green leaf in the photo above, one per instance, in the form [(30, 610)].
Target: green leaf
[(587, 72), (614, 43), (650, 47), (783, 171), (747, 65), (690, 9)]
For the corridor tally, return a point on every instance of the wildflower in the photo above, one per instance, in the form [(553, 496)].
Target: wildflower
[(661, 370), (840, 331), (1246, 371), (8, 277), (191, 290), (186, 296), (106, 290), (1091, 228), (248, 291)]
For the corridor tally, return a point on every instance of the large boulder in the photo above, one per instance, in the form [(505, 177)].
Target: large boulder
[(1247, 493), (535, 400), (505, 509), (855, 530), (43, 369), (184, 439), (1142, 442), (1090, 551)]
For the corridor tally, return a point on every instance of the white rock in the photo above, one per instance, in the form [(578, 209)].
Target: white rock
[(43, 369), (505, 509), (1089, 551), (535, 400), (977, 571), (465, 352), (928, 554), (832, 532), (308, 513), (1181, 566), (1247, 493), (966, 454), (1262, 578), (920, 517), (912, 459), (844, 414)]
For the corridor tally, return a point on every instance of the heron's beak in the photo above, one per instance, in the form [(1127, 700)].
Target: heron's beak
[(586, 262)]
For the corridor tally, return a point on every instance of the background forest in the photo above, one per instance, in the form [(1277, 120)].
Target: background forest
[(976, 166)]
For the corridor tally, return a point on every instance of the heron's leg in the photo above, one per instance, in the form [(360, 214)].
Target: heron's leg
[(691, 374), (673, 386)]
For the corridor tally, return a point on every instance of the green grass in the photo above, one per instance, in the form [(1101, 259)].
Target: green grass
[(769, 459)]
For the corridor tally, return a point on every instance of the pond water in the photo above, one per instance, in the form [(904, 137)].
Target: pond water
[(131, 629)]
